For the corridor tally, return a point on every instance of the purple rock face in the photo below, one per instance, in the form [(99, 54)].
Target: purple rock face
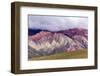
[(47, 43), (76, 31)]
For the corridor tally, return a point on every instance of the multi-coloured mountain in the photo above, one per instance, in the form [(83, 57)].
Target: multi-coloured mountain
[(47, 43)]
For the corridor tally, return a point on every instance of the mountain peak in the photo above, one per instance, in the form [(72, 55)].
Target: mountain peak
[(47, 43), (39, 35)]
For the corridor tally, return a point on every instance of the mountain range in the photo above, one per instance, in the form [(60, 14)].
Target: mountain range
[(47, 43)]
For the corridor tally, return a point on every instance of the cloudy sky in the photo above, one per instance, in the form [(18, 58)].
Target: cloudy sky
[(56, 23)]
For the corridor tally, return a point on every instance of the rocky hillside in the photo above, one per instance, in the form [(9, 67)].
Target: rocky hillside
[(48, 43)]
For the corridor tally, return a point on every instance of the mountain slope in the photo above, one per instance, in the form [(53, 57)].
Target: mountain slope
[(48, 43), (69, 55)]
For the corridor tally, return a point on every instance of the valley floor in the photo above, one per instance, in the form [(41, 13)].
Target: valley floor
[(79, 54)]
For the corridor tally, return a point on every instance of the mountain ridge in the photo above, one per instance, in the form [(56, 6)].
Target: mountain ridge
[(47, 43)]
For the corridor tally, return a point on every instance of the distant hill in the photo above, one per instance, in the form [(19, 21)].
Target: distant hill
[(33, 32)]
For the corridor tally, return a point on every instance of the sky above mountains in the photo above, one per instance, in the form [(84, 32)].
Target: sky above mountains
[(56, 23)]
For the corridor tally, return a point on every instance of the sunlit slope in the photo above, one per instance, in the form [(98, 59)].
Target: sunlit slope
[(64, 55)]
